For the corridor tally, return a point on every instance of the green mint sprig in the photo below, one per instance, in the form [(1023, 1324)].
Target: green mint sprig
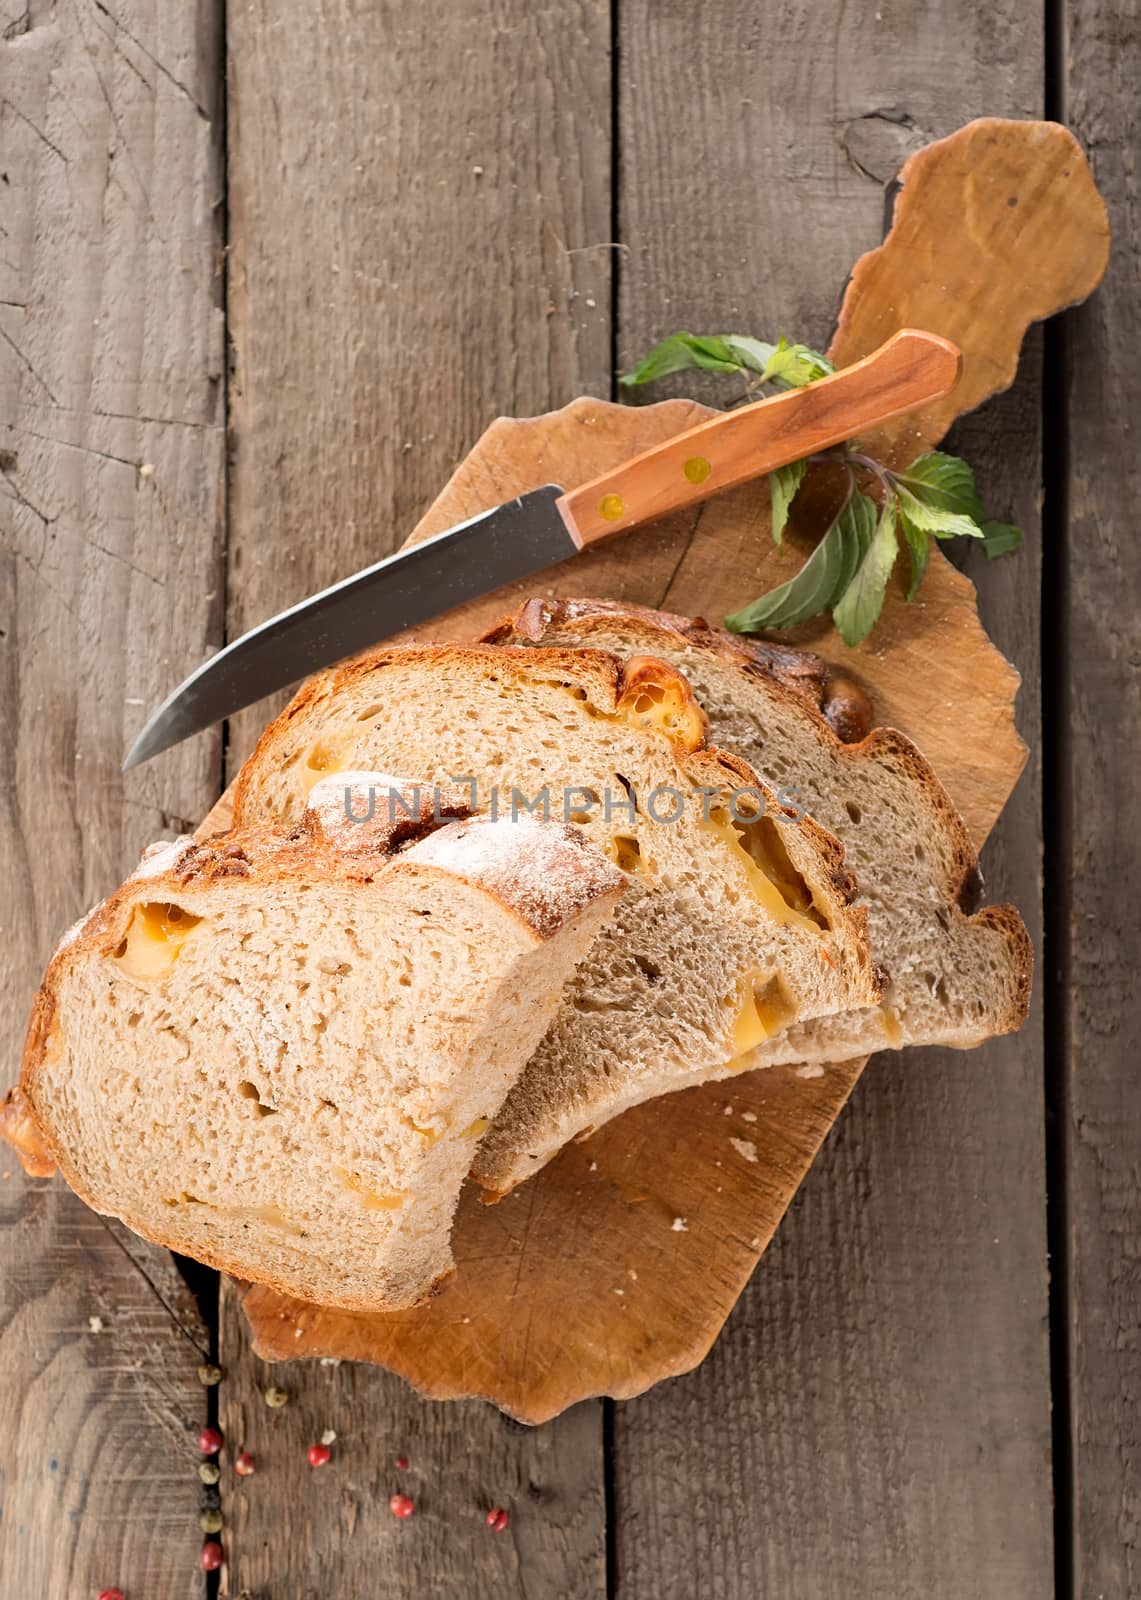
[(786, 366), (848, 572)]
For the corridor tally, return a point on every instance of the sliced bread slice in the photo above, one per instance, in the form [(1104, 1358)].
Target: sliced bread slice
[(734, 920), (954, 975), (276, 1051)]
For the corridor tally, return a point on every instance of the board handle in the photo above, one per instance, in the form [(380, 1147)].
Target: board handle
[(911, 369)]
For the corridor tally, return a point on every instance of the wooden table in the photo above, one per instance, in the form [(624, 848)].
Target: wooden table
[(265, 278)]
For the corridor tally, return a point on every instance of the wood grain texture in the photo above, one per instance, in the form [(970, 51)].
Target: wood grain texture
[(99, 1404), (314, 1534), (1101, 891), (869, 1389), (880, 1396), (878, 1404), (111, 456), (1033, 236), (420, 238)]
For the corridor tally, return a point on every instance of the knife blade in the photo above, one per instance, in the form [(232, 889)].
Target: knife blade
[(536, 530), (511, 541)]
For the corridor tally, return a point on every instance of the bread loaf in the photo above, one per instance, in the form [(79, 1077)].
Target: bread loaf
[(736, 917), (954, 975), (276, 1051)]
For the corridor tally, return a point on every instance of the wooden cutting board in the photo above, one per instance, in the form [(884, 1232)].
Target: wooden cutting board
[(617, 1265)]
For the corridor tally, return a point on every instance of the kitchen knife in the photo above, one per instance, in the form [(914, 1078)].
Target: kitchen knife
[(547, 525)]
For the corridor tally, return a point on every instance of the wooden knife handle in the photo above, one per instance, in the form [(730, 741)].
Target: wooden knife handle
[(911, 369)]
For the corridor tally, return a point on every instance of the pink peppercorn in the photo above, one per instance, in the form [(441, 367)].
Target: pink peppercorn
[(245, 1465), (319, 1454), (497, 1519), (112, 1594), (211, 1557), (210, 1441), (401, 1506), (401, 1463)]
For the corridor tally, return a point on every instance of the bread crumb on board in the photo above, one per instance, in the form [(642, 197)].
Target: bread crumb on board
[(745, 1148), (679, 1225)]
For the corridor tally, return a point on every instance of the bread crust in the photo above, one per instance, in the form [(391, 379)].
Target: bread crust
[(358, 853), (20, 1130), (842, 702), (803, 688)]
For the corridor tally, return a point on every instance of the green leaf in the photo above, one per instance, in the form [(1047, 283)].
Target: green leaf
[(918, 548), (680, 352), (787, 366), (942, 523), (824, 576), (999, 538), (943, 483), (783, 483), (754, 354), (858, 608), (791, 366)]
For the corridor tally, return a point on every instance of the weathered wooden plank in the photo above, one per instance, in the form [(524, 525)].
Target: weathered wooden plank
[(111, 360), (1099, 825), (429, 249), (311, 1533), (875, 1419), (99, 1404)]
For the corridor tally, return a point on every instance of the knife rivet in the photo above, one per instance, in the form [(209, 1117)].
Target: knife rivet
[(611, 507), (697, 469)]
